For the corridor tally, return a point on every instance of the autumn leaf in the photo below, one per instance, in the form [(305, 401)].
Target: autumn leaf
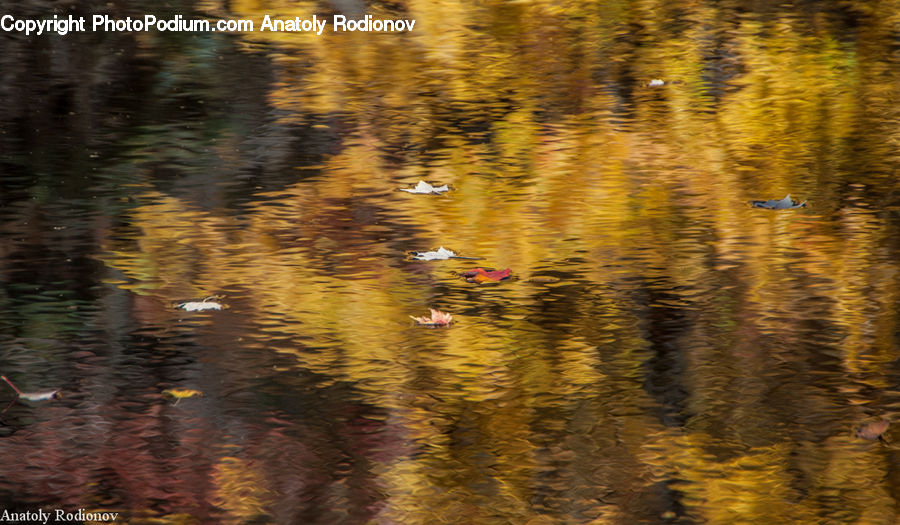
[(872, 430), (438, 318), (424, 187), (199, 306), (41, 395), (181, 393), (480, 275), (783, 204)]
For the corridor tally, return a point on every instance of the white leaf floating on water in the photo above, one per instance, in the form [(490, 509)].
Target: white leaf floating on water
[(424, 187), (43, 395), (656, 82), (439, 255), (199, 306)]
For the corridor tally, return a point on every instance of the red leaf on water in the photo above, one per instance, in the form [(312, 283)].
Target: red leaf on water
[(480, 275)]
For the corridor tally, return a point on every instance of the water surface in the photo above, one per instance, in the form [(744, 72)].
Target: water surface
[(663, 353)]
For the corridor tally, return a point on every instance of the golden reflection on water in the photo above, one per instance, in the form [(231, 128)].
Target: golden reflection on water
[(678, 347)]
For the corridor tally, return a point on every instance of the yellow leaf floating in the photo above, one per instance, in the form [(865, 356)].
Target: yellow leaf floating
[(182, 393)]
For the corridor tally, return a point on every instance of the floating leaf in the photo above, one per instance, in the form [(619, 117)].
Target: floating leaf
[(424, 187), (439, 255), (199, 306), (656, 82), (182, 393), (438, 318), (872, 430), (783, 204), (480, 275), (41, 395)]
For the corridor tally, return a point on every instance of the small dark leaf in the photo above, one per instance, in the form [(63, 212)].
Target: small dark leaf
[(872, 430), (784, 204)]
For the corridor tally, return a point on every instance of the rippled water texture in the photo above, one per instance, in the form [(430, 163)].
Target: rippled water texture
[(663, 352)]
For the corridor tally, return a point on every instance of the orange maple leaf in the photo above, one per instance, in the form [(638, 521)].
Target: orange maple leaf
[(480, 275)]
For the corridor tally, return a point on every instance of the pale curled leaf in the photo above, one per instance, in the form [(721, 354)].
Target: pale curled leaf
[(439, 255), (424, 187), (438, 318), (199, 306), (43, 395)]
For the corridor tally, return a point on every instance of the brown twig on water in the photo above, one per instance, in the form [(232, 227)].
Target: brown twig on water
[(15, 398), (8, 382)]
